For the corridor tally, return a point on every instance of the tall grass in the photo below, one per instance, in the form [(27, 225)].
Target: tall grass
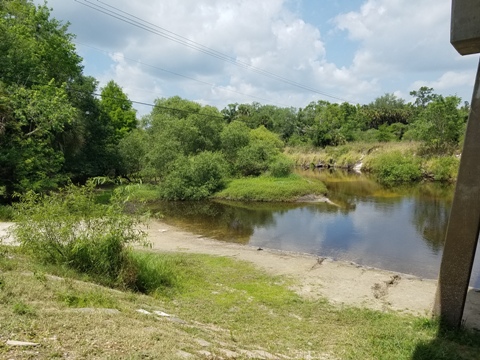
[(391, 163)]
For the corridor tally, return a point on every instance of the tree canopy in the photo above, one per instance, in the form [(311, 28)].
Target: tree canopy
[(54, 128)]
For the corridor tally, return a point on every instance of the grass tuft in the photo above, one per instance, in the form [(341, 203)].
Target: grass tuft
[(266, 188)]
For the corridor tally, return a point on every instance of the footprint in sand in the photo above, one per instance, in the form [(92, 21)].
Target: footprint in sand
[(380, 290)]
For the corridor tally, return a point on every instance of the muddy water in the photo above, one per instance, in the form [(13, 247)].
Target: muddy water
[(399, 229)]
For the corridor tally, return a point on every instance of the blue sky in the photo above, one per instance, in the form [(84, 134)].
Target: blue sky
[(280, 52)]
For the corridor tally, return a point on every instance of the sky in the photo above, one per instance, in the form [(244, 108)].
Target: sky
[(286, 53)]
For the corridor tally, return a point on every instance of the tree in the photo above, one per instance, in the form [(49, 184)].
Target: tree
[(38, 64), (234, 136), (34, 48), (30, 158), (117, 107), (195, 177), (440, 124), (263, 148), (387, 110), (179, 128), (423, 96)]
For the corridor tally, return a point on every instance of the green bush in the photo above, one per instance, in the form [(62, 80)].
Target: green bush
[(195, 177), (443, 168), (69, 228), (252, 160), (395, 167), (281, 166)]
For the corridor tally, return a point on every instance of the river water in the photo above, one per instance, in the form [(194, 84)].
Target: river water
[(398, 229)]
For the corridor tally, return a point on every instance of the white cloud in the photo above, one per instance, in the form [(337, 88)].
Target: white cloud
[(393, 47), (397, 37), (448, 80)]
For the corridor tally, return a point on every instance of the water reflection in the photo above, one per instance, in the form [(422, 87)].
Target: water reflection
[(401, 229)]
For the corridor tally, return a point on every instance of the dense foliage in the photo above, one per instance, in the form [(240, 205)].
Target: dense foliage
[(55, 128), (52, 126)]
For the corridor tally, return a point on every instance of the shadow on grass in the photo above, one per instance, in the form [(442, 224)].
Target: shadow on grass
[(450, 343)]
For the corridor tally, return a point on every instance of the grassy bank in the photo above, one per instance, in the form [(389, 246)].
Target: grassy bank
[(262, 188), (219, 308), (266, 188), (391, 162)]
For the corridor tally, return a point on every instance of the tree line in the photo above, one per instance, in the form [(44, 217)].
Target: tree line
[(54, 128)]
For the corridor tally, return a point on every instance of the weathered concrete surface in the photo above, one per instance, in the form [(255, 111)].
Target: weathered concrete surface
[(465, 29), (463, 226)]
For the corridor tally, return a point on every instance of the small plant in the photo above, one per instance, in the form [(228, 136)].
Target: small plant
[(76, 299), (69, 228), (156, 273), (41, 277), (20, 308)]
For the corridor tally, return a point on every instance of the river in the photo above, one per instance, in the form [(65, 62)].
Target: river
[(400, 229)]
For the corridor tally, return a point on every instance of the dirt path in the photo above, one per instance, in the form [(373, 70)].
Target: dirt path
[(340, 282)]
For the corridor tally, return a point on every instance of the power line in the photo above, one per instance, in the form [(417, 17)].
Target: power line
[(165, 107), (178, 74), (157, 30)]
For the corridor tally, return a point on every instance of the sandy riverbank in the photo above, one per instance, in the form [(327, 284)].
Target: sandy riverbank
[(339, 282)]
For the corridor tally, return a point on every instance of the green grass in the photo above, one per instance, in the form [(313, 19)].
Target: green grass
[(266, 188), (139, 192), (227, 304)]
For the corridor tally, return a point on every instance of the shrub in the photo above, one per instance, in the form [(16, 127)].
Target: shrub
[(281, 166), (252, 160), (69, 228), (195, 177), (443, 168), (395, 167)]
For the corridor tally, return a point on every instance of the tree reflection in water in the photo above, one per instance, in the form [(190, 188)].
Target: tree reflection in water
[(369, 224)]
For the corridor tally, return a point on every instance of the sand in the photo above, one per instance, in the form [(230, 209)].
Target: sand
[(342, 283)]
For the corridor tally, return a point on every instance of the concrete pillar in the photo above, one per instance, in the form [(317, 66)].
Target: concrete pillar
[(464, 225)]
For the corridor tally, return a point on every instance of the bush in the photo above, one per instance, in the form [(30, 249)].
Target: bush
[(195, 177), (443, 168), (395, 167), (69, 228), (281, 166), (252, 160)]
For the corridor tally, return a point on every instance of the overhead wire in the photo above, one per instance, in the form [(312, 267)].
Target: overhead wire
[(157, 30), (164, 107), (178, 74)]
